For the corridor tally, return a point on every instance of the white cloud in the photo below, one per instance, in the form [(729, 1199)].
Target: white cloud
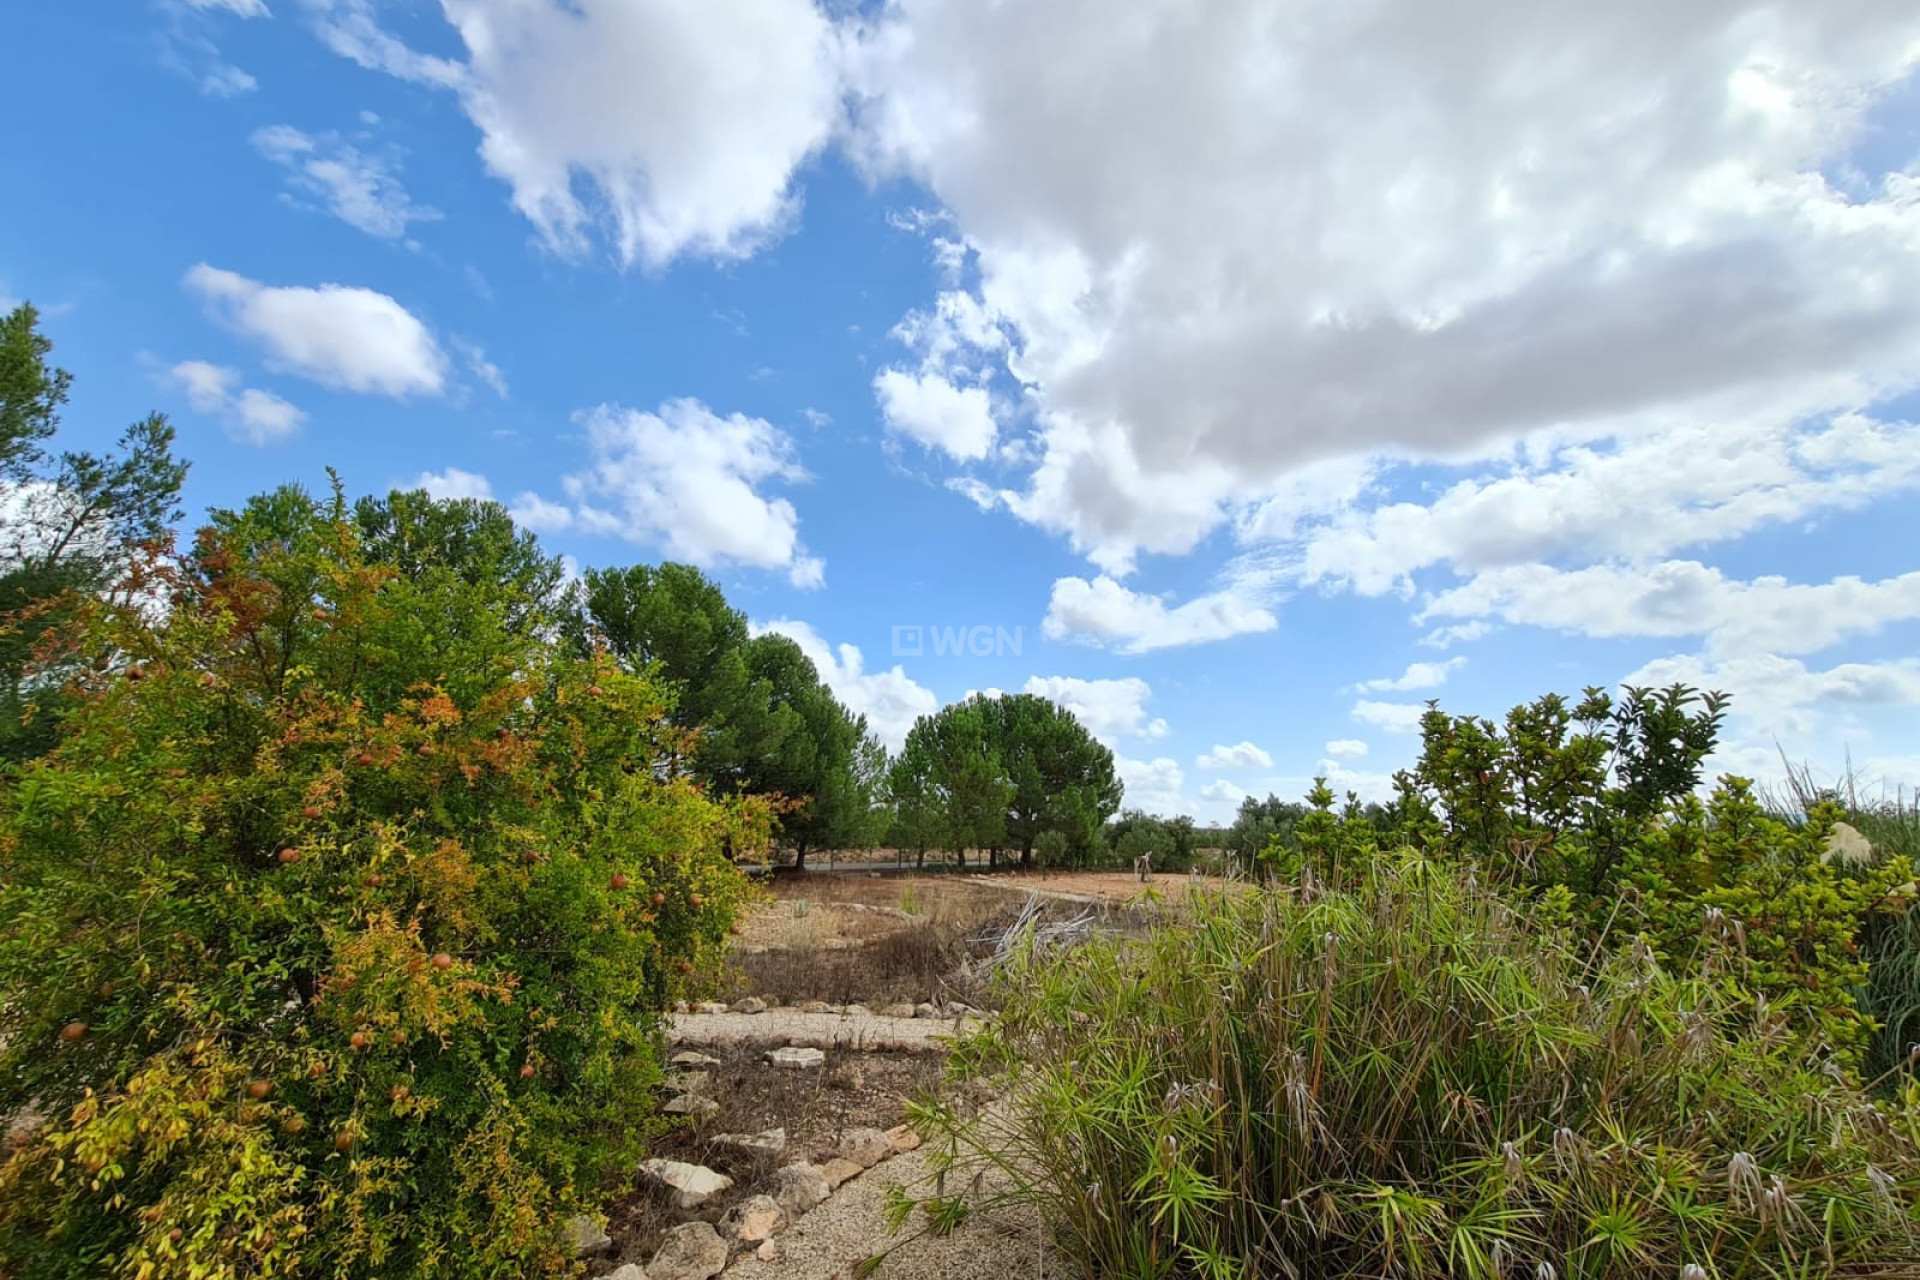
[(1104, 612), (361, 190), (673, 125), (890, 700), (455, 483), (1685, 598), (1223, 791), (349, 338), (249, 414), (1231, 242), (940, 415), (1109, 709), (1676, 484), (534, 512), (687, 481), (1153, 785), (1782, 698), (1244, 755), (224, 80), (484, 369), (1346, 748), (1418, 675), (245, 8), (1394, 717), (1458, 633)]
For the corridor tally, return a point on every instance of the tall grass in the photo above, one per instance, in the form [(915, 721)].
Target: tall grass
[(1407, 1077)]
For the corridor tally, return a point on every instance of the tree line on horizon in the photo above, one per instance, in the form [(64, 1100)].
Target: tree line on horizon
[(1011, 774)]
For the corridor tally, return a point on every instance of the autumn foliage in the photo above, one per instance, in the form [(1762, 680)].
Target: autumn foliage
[(334, 929)]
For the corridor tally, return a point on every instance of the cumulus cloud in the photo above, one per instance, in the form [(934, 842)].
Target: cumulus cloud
[(1153, 785), (348, 338), (669, 126), (1223, 791), (1394, 717), (1346, 748), (890, 700), (361, 190), (1243, 755), (930, 409), (248, 413), (1685, 598), (1109, 709), (1104, 612), (1418, 675), (688, 482), (1783, 698), (1396, 230), (455, 483), (244, 8)]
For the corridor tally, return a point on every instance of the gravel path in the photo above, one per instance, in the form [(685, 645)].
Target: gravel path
[(851, 1225), (867, 1032)]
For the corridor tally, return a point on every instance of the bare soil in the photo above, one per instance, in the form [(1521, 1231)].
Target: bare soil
[(853, 1090)]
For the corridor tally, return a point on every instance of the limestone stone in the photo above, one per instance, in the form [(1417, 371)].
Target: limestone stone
[(865, 1147), (752, 1004), (632, 1271), (799, 1187), (926, 1010), (710, 1006), (839, 1170), (688, 1060), (799, 1059), (692, 1184), (902, 1010), (771, 1142), (752, 1221), (903, 1138), (691, 1251), (691, 1104)]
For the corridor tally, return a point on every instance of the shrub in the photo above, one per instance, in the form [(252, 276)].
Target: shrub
[(1594, 807), (331, 932), (1406, 1075)]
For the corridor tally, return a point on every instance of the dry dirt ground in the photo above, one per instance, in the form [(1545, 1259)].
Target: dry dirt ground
[(878, 941)]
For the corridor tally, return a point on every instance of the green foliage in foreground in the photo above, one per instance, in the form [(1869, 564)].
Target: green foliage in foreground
[(1406, 1075), (334, 927)]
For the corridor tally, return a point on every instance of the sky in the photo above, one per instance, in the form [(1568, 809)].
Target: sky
[(1241, 374)]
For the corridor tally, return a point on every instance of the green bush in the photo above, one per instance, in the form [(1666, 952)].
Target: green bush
[(1594, 808), (333, 928), (1403, 1074)]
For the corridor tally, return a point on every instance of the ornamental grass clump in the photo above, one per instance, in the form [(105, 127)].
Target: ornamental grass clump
[(1406, 1075)]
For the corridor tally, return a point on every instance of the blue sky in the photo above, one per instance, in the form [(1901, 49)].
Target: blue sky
[(1264, 368)]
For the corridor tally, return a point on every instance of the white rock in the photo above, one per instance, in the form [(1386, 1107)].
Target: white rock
[(709, 1006), (841, 1170), (773, 1142), (752, 1004), (689, 1104), (865, 1147), (858, 1011), (755, 1220), (902, 1010), (584, 1237), (769, 1252), (692, 1184), (632, 1271), (687, 1059), (903, 1138), (801, 1059), (799, 1187), (925, 1010), (692, 1251)]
